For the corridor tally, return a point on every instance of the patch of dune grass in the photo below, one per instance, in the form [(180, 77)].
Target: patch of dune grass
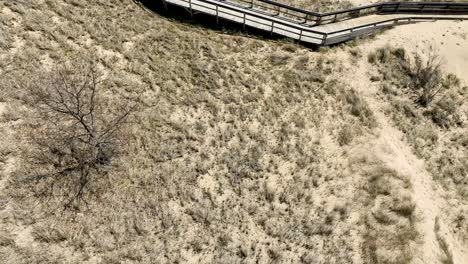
[(436, 130), (225, 159)]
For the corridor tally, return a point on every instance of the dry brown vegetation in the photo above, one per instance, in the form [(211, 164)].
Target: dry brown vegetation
[(70, 137), (241, 150), (436, 128), (217, 166)]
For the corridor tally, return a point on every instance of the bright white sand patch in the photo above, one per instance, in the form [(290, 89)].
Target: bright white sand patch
[(2, 108)]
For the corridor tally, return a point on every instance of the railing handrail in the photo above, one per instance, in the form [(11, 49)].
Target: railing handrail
[(425, 4), (353, 9), (292, 8), (312, 19), (324, 37)]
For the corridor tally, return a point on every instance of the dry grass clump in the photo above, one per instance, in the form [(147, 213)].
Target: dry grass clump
[(359, 108), (347, 134), (48, 234), (423, 81), (390, 223)]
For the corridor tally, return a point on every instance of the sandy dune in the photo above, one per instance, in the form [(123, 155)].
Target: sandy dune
[(235, 160), (449, 38)]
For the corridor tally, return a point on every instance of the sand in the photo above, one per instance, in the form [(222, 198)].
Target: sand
[(389, 145), (449, 38)]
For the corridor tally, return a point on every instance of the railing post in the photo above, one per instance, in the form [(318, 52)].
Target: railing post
[(272, 27), (300, 35), (252, 4), (324, 39), (243, 26), (191, 10), (217, 15), (319, 20)]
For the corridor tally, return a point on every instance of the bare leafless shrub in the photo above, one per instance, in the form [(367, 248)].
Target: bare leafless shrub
[(427, 80), (423, 80), (73, 135)]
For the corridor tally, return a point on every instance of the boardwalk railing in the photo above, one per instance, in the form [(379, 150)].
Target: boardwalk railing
[(305, 26), (314, 19)]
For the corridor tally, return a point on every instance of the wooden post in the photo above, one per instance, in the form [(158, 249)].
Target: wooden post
[(243, 26), (300, 35), (319, 20), (252, 4), (191, 10), (272, 27), (324, 39)]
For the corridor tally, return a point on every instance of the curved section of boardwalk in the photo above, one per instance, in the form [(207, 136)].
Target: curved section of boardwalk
[(327, 28)]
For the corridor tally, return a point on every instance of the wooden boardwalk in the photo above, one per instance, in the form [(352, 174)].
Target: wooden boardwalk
[(323, 29)]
